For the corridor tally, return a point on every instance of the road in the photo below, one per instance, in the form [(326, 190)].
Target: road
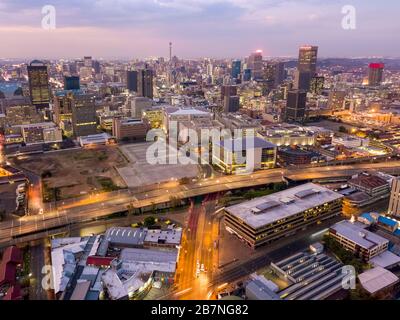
[(197, 253), (243, 268), (103, 204)]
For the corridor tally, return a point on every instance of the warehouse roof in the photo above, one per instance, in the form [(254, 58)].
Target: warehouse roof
[(377, 279)]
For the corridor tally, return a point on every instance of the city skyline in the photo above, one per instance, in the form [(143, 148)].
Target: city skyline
[(210, 28)]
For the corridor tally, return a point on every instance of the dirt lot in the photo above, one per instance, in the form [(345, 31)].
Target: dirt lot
[(76, 172)]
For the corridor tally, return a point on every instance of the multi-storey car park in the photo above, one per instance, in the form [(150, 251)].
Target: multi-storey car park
[(269, 218)]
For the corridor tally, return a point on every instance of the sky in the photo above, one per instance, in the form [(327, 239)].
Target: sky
[(197, 28)]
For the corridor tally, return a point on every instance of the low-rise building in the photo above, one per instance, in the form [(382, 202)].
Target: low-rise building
[(370, 188), (129, 129), (378, 281), (94, 139), (245, 154), (311, 276), (357, 239), (298, 156), (269, 218)]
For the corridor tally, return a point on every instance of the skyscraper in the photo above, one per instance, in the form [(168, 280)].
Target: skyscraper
[(230, 99), (375, 74), (255, 64), (39, 84), (306, 67), (236, 68), (274, 73), (83, 115), (132, 80), (246, 75), (295, 109), (62, 108), (145, 83)]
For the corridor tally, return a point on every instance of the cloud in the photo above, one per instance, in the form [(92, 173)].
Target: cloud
[(200, 27)]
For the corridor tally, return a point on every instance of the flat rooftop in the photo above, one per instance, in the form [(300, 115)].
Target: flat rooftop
[(265, 210), (241, 144), (377, 279), (125, 236), (359, 235), (157, 236)]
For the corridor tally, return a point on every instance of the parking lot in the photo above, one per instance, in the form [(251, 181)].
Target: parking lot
[(139, 172)]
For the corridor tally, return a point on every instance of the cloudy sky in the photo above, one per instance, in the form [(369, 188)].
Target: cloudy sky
[(197, 28)]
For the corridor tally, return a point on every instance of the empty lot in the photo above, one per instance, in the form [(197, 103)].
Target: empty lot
[(139, 172)]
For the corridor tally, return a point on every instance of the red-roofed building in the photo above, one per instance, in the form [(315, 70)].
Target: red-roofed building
[(98, 261), (376, 65), (370, 184), (375, 74)]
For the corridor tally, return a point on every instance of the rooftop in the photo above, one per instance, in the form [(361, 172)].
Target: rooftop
[(265, 210), (377, 279), (358, 234), (172, 236), (368, 181), (386, 259), (241, 144), (126, 236)]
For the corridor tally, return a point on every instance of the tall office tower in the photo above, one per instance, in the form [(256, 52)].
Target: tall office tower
[(71, 83), (87, 61), (132, 80), (274, 73), (170, 51), (394, 202), (62, 107), (336, 100), (145, 83), (280, 73), (375, 74), (306, 67), (96, 67), (236, 68), (246, 75), (83, 115), (317, 85), (229, 98), (228, 90), (231, 103), (295, 109), (255, 64), (39, 84)]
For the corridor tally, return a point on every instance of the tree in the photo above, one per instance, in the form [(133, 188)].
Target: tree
[(149, 221), (343, 129)]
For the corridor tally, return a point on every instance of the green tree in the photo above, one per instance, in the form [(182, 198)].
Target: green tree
[(149, 221)]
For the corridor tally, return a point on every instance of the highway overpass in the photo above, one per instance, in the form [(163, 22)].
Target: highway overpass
[(102, 205)]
